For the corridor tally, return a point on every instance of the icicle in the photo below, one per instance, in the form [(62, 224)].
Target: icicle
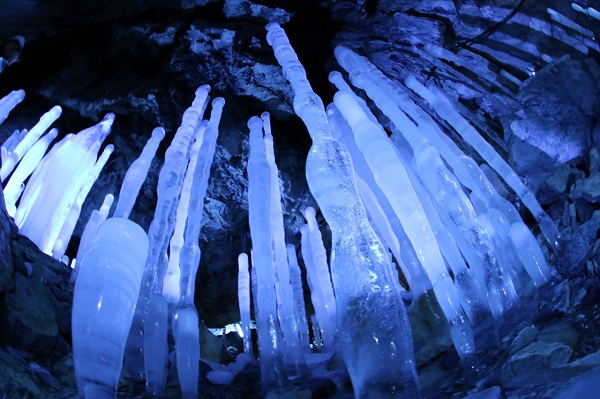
[(493, 159), (244, 302), (273, 375), (62, 234), (170, 180), (32, 136), (8, 102), (190, 260), (377, 349), (56, 182), (103, 305), (296, 281), (293, 355), (136, 175), (32, 158), (173, 274)]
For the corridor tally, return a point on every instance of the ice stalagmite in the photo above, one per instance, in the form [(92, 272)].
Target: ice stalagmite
[(374, 334), (88, 237), (296, 281), (62, 234), (136, 175), (392, 178), (170, 180), (8, 102), (451, 202), (56, 182), (470, 135), (320, 278), (294, 357), (273, 374), (103, 305), (186, 329), (30, 161), (173, 274), (465, 168), (30, 139), (244, 302)]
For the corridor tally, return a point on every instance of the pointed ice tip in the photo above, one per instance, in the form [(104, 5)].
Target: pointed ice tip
[(272, 26), (254, 120), (334, 76), (159, 133), (202, 89), (20, 40), (20, 94), (218, 102), (309, 212)]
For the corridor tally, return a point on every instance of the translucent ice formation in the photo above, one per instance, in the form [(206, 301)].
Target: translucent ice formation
[(273, 374), (317, 272), (244, 302), (63, 233), (8, 102), (170, 180), (30, 161), (55, 183), (103, 305), (136, 175), (294, 358), (377, 348), (30, 138), (187, 334)]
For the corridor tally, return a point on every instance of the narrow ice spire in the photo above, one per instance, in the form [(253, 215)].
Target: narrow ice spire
[(469, 134), (170, 180), (296, 281), (293, 355), (273, 375), (376, 348), (136, 175), (187, 334), (30, 161), (10, 101), (244, 302), (71, 214), (173, 274)]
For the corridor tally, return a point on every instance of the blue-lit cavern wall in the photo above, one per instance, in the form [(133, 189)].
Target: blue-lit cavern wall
[(523, 74)]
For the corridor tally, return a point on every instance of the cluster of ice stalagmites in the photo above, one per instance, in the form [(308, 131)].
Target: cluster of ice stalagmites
[(118, 249), (47, 209)]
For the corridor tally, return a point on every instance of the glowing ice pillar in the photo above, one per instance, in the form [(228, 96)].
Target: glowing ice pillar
[(373, 330), (273, 375), (170, 180), (186, 331), (103, 305)]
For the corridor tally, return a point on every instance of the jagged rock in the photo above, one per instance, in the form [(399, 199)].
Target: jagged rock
[(562, 332), (536, 357), (249, 9), (558, 119), (587, 189), (525, 337), (579, 248), (28, 317)]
